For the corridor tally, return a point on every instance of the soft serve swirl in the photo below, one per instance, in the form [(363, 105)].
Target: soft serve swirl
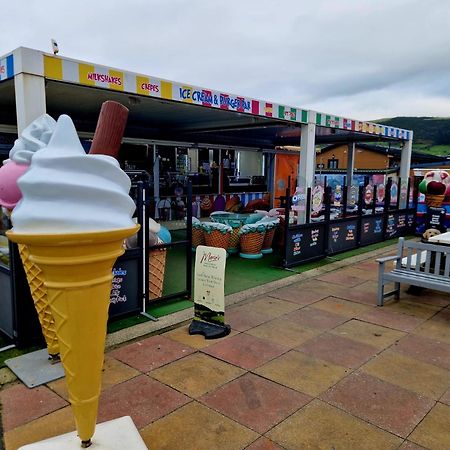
[(67, 191), (32, 139)]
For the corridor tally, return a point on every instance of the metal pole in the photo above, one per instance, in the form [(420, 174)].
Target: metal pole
[(189, 240)]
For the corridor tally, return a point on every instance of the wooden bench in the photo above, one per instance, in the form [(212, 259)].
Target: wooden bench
[(432, 272)]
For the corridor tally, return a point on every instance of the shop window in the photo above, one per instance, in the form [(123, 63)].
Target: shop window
[(333, 163)]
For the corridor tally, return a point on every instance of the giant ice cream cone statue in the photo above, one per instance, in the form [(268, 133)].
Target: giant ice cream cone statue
[(34, 137), (74, 215)]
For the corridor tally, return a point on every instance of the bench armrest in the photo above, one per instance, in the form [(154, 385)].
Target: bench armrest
[(388, 258)]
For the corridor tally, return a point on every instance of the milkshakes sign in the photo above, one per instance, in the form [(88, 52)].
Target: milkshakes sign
[(209, 284)]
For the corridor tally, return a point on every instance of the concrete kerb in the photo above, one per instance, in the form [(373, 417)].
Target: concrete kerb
[(179, 318)]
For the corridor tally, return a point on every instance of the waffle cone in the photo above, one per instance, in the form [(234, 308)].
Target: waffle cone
[(268, 239), (156, 268), (78, 274), (198, 237), (38, 290), (234, 238), (434, 200), (251, 243), (216, 238)]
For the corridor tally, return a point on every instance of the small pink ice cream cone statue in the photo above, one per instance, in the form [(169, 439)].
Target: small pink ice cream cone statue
[(9, 190), (435, 186)]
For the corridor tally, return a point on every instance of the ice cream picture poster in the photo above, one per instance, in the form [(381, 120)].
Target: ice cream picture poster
[(209, 293)]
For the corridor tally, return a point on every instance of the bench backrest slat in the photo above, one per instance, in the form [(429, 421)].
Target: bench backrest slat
[(447, 266), (437, 263), (417, 268), (408, 259), (428, 262)]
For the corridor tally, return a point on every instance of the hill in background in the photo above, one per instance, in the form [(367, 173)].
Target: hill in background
[(431, 134)]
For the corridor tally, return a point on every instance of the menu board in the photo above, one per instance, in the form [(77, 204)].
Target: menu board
[(209, 284), (124, 297), (342, 236), (371, 230), (397, 225), (305, 243)]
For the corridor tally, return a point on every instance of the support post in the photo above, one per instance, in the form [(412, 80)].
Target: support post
[(405, 164), (306, 168), (30, 99), (350, 166), (156, 180)]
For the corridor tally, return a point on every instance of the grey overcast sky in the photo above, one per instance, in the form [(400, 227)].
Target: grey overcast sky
[(365, 59)]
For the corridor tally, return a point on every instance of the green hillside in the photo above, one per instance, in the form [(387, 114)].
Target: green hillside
[(431, 134)]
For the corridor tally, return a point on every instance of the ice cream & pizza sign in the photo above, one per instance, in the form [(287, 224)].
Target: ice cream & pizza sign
[(210, 98)]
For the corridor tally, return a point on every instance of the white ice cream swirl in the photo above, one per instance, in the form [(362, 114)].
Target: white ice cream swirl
[(67, 191), (33, 138)]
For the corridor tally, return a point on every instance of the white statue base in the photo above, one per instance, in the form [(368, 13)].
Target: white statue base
[(117, 434)]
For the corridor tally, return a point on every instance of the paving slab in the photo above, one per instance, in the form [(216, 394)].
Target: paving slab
[(410, 373), (367, 333), (343, 307), (196, 374), (242, 318), (21, 404), (388, 318), (416, 309), (323, 427), (315, 318), (50, 425), (299, 294), (142, 398), (114, 372), (151, 353), (338, 350), (259, 404), (383, 404), (304, 373), (196, 427), (427, 350), (446, 398), (284, 332), (342, 278), (245, 351), (434, 431), (272, 307)]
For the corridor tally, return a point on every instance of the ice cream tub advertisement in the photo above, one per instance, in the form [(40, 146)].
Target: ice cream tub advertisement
[(209, 284)]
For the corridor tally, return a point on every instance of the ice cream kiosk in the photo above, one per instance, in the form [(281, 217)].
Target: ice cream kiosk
[(223, 145)]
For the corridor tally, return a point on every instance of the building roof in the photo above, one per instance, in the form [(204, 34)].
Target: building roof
[(416, 157), (199, 114)]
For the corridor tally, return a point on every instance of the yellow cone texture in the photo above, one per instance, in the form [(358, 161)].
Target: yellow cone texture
[(78, 276), (38, 290)]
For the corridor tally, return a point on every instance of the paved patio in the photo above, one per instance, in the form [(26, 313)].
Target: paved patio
[(312, 365)]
